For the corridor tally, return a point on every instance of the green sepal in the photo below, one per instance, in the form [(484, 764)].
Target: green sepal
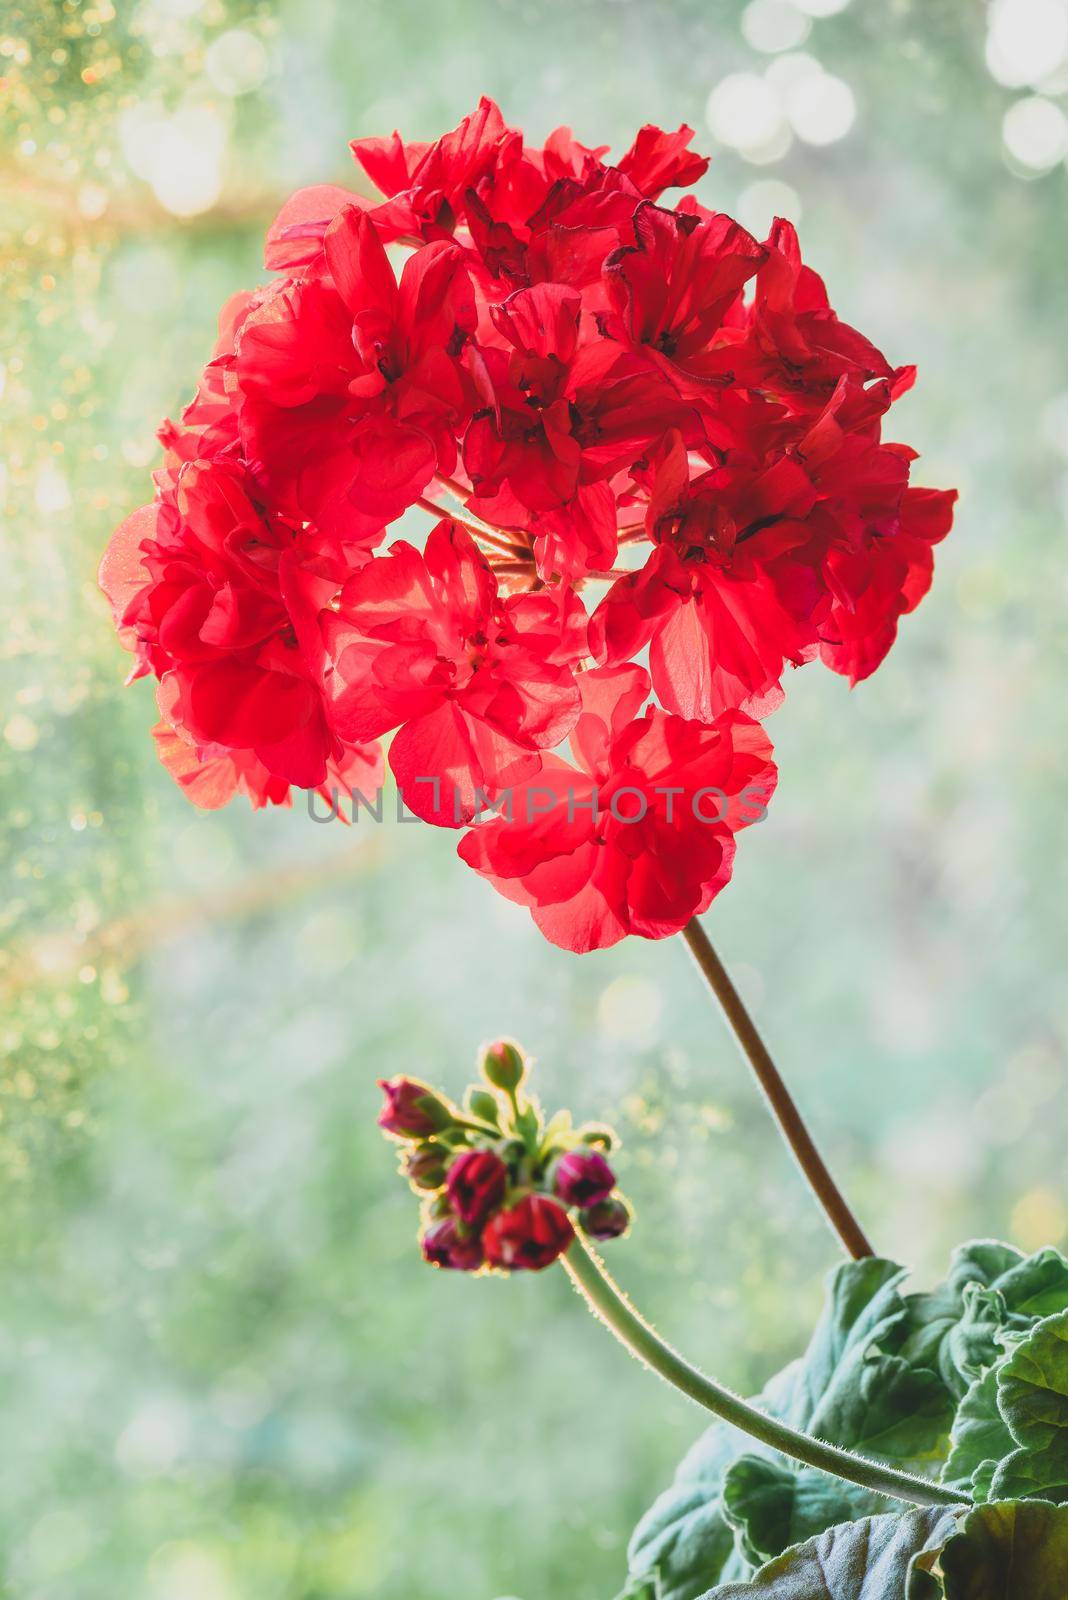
[(483, 1105)]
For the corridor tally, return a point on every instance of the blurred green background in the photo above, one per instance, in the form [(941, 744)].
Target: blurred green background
[(224, 1373)]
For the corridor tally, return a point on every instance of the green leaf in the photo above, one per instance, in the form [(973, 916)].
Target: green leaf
[(855, 1389), (1033, 1399), (685, 1536), (874, 1559), (981, 1439), (772, 1506), (990, 1289), (847, 1390), (880, 1376), (641, 1589), (1013, 1551)]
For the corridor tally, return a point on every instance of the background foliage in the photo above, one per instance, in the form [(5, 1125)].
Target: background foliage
[(224, 1373)]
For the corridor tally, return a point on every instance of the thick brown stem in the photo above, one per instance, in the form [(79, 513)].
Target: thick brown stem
[(780, 1100)]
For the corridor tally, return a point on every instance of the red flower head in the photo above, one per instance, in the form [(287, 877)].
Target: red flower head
[(612, 387), (640, 836), (582, 1178), (449, 1244), (412, 1110), (512, 1149), (477, 683), (528, 1237), (352, 388), (476, 1184)]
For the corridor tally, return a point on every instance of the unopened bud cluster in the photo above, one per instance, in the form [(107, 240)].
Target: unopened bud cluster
[(502, 1188)]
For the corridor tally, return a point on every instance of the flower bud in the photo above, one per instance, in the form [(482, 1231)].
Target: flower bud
[(504, 1065), (476, 1184), (582, 1178), (412, 1110), (608, 1219), (449, 1244), (529, 1236), (425, 1166)]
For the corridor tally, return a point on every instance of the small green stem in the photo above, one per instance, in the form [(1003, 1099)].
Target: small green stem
[(475, 1127), (613, 1308)]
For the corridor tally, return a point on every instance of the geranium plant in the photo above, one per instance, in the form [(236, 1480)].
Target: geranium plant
[(653, 464)]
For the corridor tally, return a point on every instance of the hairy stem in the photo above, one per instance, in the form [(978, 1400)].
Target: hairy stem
[(780, 1101), (612, 1307)]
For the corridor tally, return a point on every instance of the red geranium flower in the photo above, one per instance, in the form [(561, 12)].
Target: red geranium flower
[(720, 607), (639, 837), (476, 1184), (477, 683), (564, 409), (450, 1245), (217, 598), (582, 1178), (610, 386), (530, 1236), (795, 344), (671, 291), (352, 388)]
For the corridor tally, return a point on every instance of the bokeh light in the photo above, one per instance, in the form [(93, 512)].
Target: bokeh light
[(745, 112), (1035, 132), (774, 25), (821, 108), (1026, 40), (822, 8)]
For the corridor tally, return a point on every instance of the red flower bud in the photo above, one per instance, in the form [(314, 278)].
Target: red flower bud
[(412, 1109), (445, 1245), (582, 1178), (530, 1235), (476, 1183), (425, 1166), (608, 1219)]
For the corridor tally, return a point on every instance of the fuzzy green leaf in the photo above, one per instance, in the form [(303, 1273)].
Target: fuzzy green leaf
[(1008, 1551), (685, 1537), (874, 1559), (990, 1289), (771, 1505), (1033, 1399), (880, 1377), (981, 1439), (850, 1390)]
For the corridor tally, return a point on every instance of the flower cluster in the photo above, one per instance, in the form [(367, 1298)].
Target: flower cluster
[(636, 428), (499, 1184)]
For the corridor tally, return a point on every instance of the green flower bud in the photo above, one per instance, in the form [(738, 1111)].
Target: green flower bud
[(504, 1065)]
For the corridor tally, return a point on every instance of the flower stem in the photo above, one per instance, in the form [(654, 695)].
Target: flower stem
[(780, 1101), (611, 1306)]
